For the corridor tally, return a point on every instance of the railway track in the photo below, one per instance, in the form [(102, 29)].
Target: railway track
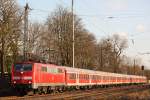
[(93, 94)]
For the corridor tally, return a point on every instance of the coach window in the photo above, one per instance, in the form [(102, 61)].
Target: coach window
[(54, 70), (72, 76), (104, 78), (81, 76), (96, 77), (85, 76), (60, 71), (88, 77), (99, 77), (92, 77), (44, 69)]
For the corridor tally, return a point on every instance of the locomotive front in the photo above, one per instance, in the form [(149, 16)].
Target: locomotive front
[(22, 75)]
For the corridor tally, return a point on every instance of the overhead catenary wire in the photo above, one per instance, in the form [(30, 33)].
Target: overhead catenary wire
[(124, 15), (104, 15)]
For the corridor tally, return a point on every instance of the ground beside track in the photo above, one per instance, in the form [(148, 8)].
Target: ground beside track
[(5, 88), (94, 94), (137, 95)]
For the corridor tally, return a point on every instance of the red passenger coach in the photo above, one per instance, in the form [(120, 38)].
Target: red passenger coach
[(72, 78)]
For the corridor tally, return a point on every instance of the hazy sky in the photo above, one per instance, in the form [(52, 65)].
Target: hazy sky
[(129, 18)]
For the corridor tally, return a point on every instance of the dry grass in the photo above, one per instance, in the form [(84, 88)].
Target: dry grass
[(142, 95)]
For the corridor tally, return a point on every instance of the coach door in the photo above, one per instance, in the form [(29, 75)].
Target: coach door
[(77, 78), (65, 76)]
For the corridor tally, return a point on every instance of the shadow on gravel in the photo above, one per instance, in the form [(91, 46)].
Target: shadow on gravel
[(5, 88)]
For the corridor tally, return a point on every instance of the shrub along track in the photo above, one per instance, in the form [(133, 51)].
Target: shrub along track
[(93, 94)]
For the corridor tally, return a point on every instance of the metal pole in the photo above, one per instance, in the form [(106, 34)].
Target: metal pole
[(25, 32), (134, 66), (101, 57), (72, 34)]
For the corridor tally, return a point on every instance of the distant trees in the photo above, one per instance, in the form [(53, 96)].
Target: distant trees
[(35, 42), (119, 45), (85, 45), (108, 53), (59, 25), (104, 55), (52, 41)]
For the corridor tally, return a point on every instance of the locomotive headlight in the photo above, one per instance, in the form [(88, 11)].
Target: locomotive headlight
[(14, 82), (30, 82)]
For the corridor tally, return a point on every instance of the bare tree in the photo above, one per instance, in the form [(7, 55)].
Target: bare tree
[(85, 46), (59, 25), (104, 51), (36, 31), (10, 22), (119, 45)]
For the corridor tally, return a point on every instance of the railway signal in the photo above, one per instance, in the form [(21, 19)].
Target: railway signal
[(25, 38)]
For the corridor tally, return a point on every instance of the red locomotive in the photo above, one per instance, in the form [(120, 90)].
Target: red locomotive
[(47, 77)]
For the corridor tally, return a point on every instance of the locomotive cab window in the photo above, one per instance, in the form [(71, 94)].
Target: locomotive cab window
[(23, 67)]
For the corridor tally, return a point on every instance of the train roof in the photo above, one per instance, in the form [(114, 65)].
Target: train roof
[(75, 70)]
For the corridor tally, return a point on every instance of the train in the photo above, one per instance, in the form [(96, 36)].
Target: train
[(44, 78)]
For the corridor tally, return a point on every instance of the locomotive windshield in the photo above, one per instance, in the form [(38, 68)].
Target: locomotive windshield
[(23, 67)]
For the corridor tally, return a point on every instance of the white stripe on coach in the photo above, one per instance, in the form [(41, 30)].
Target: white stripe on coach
[(27, 78), (16, 78)]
